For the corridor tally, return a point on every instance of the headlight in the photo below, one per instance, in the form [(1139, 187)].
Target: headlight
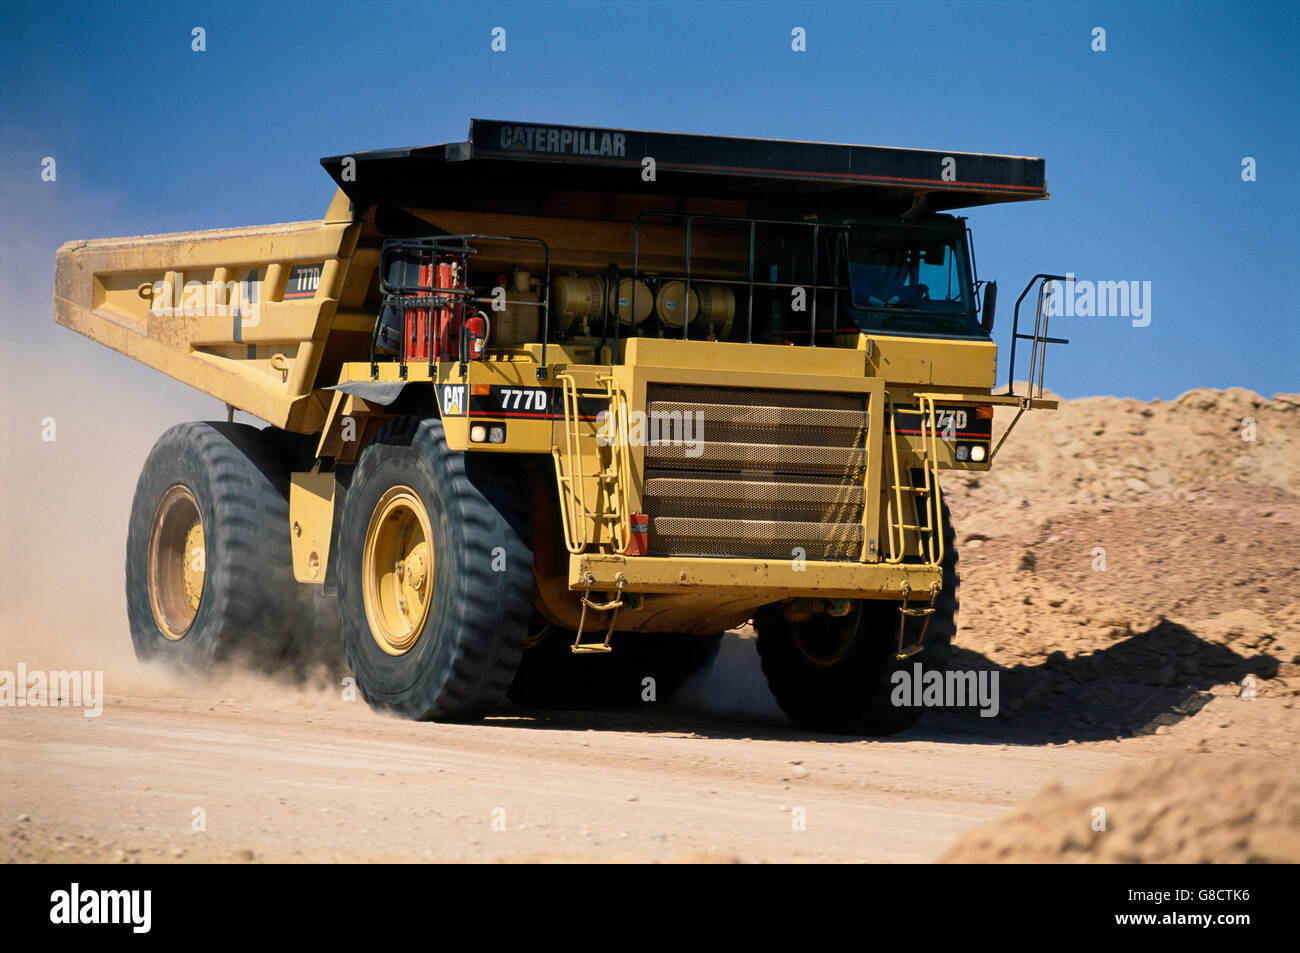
[(977, 453), (963, 451), (478, 433)]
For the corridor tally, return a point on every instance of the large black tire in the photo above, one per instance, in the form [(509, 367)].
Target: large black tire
[(552, 676), (465, 647), (852, 693), (234, 480)]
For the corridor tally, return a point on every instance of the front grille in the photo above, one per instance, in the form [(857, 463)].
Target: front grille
[(754, 472)]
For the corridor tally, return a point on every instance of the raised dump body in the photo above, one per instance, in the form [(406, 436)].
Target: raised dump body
[(615, 392), (248, 315)]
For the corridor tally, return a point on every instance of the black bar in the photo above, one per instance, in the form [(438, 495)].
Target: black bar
[(1030, 337), (1094, 902), (812, 327), (749, 327), (546, 306), (686, 295)]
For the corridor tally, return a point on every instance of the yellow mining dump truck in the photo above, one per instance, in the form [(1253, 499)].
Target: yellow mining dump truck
[(552, 408)]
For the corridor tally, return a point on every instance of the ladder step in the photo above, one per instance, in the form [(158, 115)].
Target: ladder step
[(591, 648)]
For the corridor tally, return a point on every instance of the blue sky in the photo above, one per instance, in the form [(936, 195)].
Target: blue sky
[(1143, 142)]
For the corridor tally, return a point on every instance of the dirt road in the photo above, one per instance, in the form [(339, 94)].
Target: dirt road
[(337, 782), (271, 774), (1179, 647)]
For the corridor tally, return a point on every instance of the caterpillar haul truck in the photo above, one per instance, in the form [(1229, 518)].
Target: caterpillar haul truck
[(551, 408)]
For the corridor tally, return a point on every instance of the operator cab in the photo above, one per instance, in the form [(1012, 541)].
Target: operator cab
[(911, 279)]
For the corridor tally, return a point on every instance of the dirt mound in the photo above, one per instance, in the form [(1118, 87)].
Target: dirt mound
[(1124, 562), (1175, 810), (1105, 448)]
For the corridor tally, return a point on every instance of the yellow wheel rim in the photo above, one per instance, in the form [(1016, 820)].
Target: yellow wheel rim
[(177, 562), (397, 570)]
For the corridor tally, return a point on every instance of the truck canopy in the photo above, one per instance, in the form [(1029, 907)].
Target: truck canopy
[(536, 169)]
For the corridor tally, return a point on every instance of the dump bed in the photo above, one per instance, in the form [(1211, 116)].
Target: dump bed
[(251, 316)]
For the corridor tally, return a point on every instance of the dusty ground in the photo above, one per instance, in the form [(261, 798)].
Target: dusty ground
[(1126, 567)]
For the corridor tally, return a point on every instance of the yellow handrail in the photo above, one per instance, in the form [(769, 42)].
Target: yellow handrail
[(895, 553), (868, 463), (930, 466), (572, 482), (622, 465)]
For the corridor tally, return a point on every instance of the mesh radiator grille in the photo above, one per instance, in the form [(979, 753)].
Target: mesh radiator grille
[(752, 472)]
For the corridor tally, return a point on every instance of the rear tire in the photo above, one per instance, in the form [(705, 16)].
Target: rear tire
[(833, 674), (209, 576), (435, 575)]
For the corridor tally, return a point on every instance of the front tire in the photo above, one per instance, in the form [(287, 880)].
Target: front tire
[(435, 575), (834, 674)]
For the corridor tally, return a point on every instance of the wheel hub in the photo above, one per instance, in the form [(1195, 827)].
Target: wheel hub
[(414, 570), (177, 562), (824, 640)]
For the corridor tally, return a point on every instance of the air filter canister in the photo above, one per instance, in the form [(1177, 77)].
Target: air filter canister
[(669, 304)]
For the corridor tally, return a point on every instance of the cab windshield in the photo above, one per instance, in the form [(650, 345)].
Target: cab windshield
[(909, 279)]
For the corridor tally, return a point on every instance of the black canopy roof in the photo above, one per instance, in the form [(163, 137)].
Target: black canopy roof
[(501, 160)]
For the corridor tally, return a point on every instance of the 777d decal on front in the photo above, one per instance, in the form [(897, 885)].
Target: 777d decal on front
[(950, 423), (523, 400), (510, 400), (536, 403)]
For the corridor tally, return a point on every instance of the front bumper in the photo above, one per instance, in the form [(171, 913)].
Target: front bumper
[(770, 579)]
